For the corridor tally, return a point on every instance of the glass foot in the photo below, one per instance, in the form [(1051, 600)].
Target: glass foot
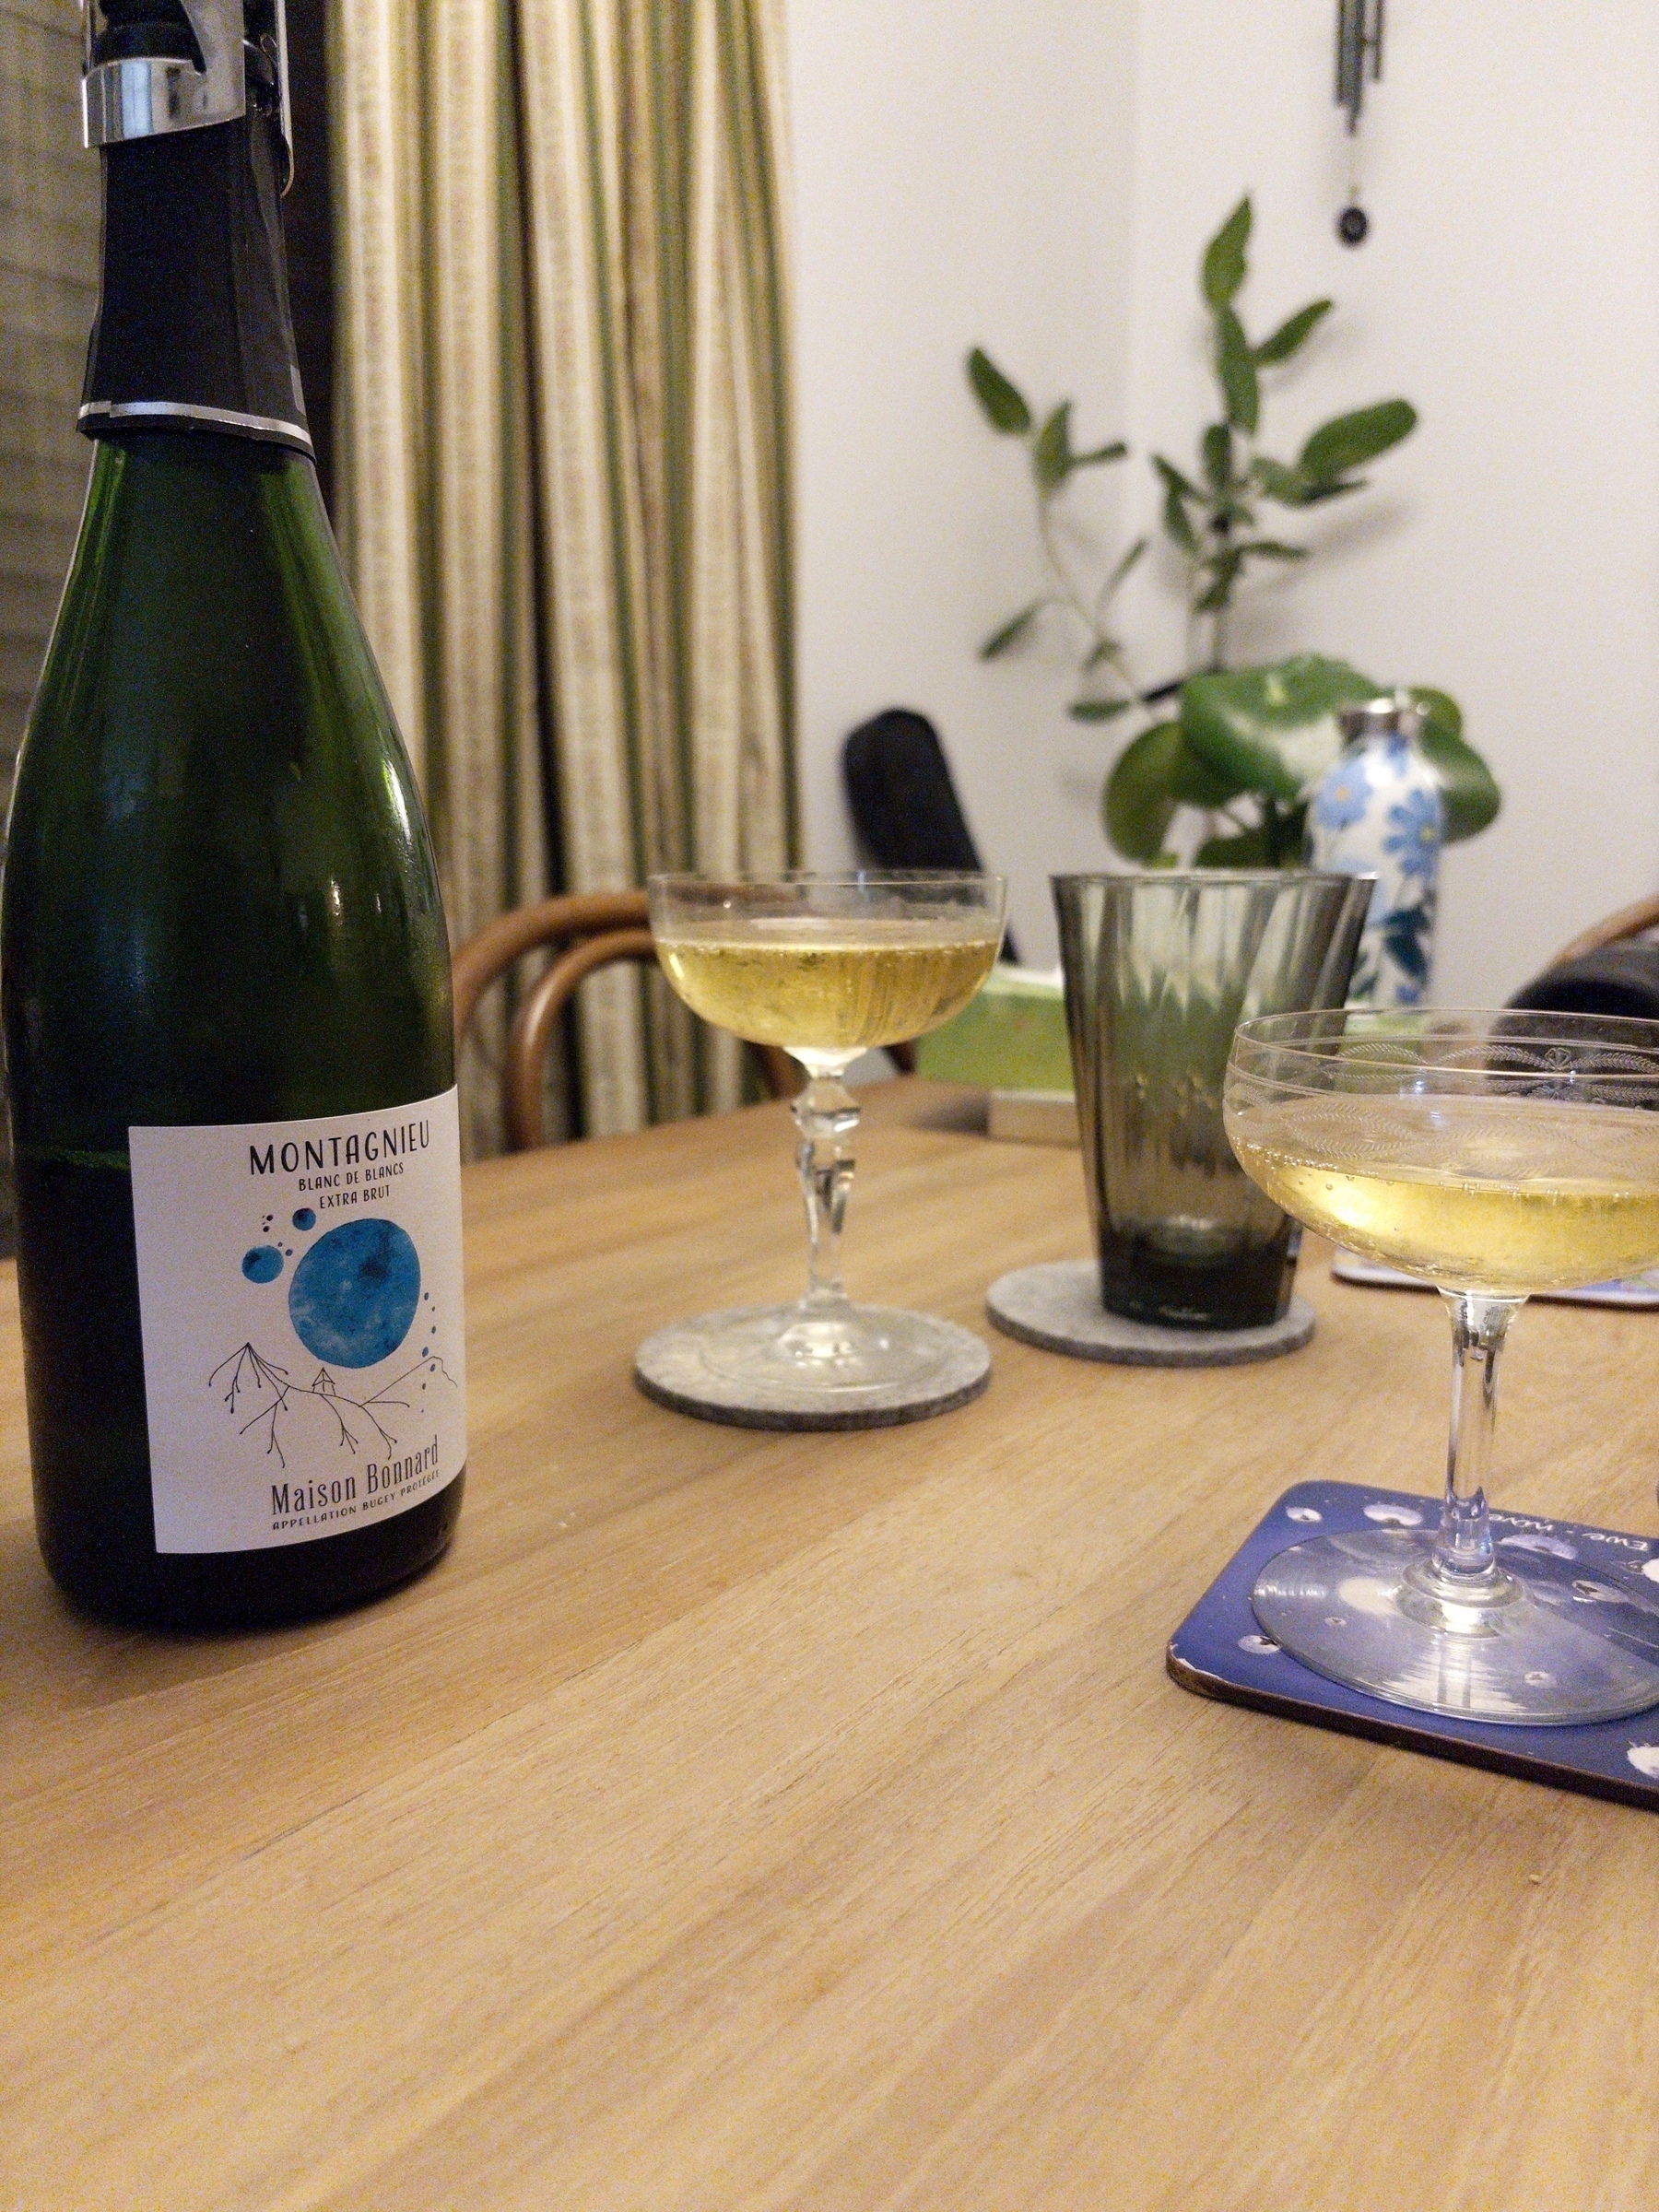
[(837, 1347), (787, 1366), (1537, 1647)]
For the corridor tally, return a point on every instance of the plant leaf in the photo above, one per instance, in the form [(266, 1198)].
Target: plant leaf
[(1011, 631), (1245, 849), (1218, 457), (1269, 549), (1195, 784), (1469, 791), (1005, 409), (1051, 456), (1235, 365), (1114, 452), (1139, 803), (1288, 485), (1155, 773), (1223, 572), (1124, 566), (1291, 334), (1349, 441), (1099, 709), (1223, 270), (1178, 523), (1173, 479), (1273, 729), (1343, 485), (1288, 835), (1441, 713)]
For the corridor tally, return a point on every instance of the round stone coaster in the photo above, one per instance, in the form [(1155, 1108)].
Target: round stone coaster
[(1058, 1306), (674, 1369)]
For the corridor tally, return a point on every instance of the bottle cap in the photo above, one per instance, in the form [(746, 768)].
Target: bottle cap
[(1391, 713), (193, 329), (204, 81)]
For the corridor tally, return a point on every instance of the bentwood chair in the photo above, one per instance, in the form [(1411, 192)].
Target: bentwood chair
[(1629, 922), (587, 930), (1603, 970)]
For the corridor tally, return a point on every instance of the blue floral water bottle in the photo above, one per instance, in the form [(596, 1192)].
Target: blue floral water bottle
[(1378, 812)]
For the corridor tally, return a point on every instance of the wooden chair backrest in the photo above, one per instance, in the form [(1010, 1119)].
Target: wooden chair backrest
[(1629, 922), (550, 922), (589, 930)]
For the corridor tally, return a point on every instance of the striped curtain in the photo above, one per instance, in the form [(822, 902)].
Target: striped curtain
[(562, 470), (48, 217)]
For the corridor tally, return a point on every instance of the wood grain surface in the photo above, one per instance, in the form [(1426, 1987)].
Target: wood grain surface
[(739, 1820)]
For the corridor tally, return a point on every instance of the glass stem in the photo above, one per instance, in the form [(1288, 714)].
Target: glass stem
[(1464, 1548), (826, 1113)]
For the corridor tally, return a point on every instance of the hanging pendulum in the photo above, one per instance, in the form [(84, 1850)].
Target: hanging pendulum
[(1358, 43), (1353, 222)]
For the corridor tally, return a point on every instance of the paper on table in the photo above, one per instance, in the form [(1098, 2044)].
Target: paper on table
[(1033, 1117), (1349, 1268)]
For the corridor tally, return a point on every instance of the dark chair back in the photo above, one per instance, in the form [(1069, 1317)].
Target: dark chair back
[(1619, 978), (903, 804), (1610, 968)]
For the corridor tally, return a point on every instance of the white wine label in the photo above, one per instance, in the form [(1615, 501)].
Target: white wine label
[(299, 1290)]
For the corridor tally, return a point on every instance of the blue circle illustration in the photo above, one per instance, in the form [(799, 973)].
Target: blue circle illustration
[(305, 1218), (355, 1292), (263, 1265)]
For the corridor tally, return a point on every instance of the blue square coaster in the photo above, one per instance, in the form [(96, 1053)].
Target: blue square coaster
[(1219, 1651)]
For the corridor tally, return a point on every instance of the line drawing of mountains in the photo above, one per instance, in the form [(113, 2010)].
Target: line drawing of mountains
[(319, 1409)]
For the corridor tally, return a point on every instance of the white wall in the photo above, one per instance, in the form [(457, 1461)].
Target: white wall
[(964, 171), (1510, 288), (962, 175)]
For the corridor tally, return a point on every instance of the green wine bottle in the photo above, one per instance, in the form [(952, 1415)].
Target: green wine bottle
[(223, 961)]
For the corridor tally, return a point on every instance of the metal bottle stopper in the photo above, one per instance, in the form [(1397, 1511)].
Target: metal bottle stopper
[(140, 95)]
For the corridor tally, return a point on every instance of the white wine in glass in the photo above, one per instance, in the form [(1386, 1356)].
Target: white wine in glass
[(825, 992), (1469, 1191), (827, 967), (1492, 1155)]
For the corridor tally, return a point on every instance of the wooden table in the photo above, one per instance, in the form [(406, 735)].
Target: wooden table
[(741, 1822)]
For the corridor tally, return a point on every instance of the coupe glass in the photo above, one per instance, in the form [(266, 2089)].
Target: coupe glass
[(1491, 1155), (828, 967)]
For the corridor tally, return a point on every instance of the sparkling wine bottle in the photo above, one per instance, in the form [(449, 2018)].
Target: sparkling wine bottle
[(223, 958)]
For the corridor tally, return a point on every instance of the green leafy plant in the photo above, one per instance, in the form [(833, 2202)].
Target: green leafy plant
[(1054, 463), (1243, 747), (1264, 736), (1212, 519)]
